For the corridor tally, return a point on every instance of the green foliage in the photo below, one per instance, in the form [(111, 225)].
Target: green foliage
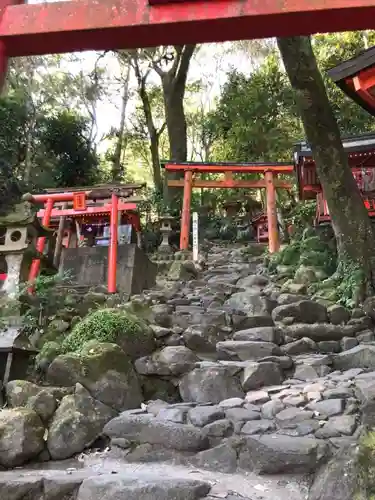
[(302, 216), (48, 353), (64, 138), (103, 325)]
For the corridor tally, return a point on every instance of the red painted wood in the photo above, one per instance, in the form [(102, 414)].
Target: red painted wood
[(227, 168), (103, 25), (90, 211)]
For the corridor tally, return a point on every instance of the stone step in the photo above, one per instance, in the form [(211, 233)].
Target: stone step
[(246, 350)]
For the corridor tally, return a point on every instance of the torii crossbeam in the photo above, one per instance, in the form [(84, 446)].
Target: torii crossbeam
[(118, 24)]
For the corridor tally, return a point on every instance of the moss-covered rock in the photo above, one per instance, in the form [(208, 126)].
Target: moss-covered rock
[(116, 326), (21, 393), (182, 270), (104, 370), (76, 424), (47, 354), (21, 436)]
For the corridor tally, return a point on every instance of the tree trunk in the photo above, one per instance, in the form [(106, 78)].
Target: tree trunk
[(117, 167), (352, 226), (174, 84), (153, 133)]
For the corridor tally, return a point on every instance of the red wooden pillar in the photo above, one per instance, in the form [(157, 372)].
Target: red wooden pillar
[(185, 218), (273, 233), (112, 249), (35, 265)]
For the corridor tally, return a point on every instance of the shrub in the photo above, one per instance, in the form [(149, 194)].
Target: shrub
[(103, 325)]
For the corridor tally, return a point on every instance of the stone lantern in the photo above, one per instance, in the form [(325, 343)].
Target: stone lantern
[(18, 232), (165, 222)]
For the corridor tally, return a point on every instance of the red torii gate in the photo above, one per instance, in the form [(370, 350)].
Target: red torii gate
[(103, 24), (269, 183)]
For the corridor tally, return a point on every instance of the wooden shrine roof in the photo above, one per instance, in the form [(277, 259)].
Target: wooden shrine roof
[(352, 144), (344, 75)]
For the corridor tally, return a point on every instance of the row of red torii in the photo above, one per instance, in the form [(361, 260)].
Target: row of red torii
[(117, 205)]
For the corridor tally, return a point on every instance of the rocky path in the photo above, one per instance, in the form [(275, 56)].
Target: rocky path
[(98, 477), (270, 385)]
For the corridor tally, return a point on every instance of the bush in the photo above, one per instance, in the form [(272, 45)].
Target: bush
[(103, 325)]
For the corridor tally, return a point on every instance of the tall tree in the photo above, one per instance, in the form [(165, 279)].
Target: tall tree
[(352, 226), (154, 133), (172, 65)]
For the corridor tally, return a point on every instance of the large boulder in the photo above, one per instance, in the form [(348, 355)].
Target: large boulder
[(78, 421), (116, 326), (250, 303), (246, 350), (21, 436), (145, 428), (143, 487), (21, 393), (361, 356), (275, 454), (338, 479), (104, 370), (256, 375), (211, 384), (260, 334), (203, 339), (320, 331), (305, 311), (171, 360)]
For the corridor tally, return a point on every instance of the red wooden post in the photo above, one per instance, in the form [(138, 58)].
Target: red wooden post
[(34, 269), (273, 234), (112, 249), (185, 218)]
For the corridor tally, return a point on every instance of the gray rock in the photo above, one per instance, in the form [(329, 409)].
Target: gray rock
[(246, 350), (104, 370), (244, 322), (256, 375), (305, 311), (338, 315), (203, 415), (18, 488), (231, 403), (338, 480), (177, 415), (257, 397), (300, 346), (308, 372), (21, 436), (253, 281), (146, 429), (338, 426), (21, 393), (338, 392), (320, 331), (328, 346), (348, 343), (221, 458), (109, 487), (366, 336), (218, 429), (203, 339), (76, 424), (290, 417), (162, 315), (328, 407), (274, 454), (262, 334), (210, 385), (242, 414), (272, 408), (249, 303), (305, 428), (257, 427), (289, 298), (178, 359), (362, 356)]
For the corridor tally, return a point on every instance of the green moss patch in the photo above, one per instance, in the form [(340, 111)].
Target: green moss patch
[(103, 325)]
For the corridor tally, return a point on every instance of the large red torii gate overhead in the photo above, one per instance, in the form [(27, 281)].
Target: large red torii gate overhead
[(119, 24)]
